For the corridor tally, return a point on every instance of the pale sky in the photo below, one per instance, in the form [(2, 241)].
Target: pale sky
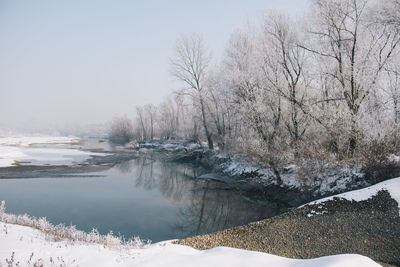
[(85, 61)]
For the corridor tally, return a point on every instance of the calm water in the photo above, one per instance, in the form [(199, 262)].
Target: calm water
[(143, 197)]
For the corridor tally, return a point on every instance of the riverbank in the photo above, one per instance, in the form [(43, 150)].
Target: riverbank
[(324, 229), (302, 180), (87, 168), (25, 246), (340, 225), (336, 225), (49, 156)]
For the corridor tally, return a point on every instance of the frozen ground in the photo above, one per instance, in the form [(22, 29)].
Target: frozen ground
[(29, 247), (40, 150)]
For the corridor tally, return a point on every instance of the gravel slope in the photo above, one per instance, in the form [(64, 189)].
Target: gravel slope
[(370, 228)]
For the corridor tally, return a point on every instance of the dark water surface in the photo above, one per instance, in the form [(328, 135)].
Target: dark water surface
[(143, 197)]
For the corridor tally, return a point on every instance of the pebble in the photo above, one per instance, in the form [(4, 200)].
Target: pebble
[(370, 228)]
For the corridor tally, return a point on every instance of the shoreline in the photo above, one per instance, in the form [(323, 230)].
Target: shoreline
[(369, 227), (92, 165), (334, 226), (233, 172), (35, 249)]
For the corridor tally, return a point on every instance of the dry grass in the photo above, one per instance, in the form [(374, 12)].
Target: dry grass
[(61, 232)]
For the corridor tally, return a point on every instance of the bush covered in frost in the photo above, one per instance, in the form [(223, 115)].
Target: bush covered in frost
[(62, 232)]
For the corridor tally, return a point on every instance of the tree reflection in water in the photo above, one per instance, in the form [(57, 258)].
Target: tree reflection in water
[(204, 206)]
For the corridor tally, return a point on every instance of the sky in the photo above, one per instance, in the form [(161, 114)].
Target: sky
[(82, 62)]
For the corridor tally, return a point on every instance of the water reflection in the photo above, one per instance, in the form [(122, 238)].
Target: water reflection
[(212, 210), (173, 181), (204, 206), (144, 197)]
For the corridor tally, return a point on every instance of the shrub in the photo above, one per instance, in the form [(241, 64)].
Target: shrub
[(376, 158), (121, 130), (62, 232)]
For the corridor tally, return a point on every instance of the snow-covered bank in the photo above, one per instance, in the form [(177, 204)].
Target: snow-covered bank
[(321, 179), (40, 150), (30, 140), (392, 186), (29, 246)]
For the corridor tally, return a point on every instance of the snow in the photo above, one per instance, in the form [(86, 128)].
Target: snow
[(392, 186), (172, 146), (30, 246), (20, 149), (322, 178), (30, 140), (23, 241), (237, 167), (193, 146), (394, 158)]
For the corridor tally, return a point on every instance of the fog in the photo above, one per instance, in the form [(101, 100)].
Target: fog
[(68, 65)]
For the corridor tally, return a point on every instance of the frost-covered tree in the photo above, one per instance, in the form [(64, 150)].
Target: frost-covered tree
[(190, 67), (121, 130), (151, 113), (167, 119), (352, 54), (142, 123), (259, 107), (289, 91), (388, 13), (285, 73), (146, 122), (221, 109), (392, 90)]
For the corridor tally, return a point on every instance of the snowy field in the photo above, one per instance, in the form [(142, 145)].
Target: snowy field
[(40, 150), (29, 247)]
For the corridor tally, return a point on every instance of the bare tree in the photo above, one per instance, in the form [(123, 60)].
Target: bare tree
[(220, 108), (389, 14), (285, 74), (167, 120), (392, 90), (353, 52), (257, 105), (121, 130), (189, 66), (151, 113), (142, 122)]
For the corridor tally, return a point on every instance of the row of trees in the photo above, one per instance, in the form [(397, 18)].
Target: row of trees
[(290, 90)]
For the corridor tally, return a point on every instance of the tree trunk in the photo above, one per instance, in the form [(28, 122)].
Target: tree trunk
[(353, 135), (208, 134), (276, 172), (151, 125)]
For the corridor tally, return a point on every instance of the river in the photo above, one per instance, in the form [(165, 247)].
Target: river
[(145, 197)]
